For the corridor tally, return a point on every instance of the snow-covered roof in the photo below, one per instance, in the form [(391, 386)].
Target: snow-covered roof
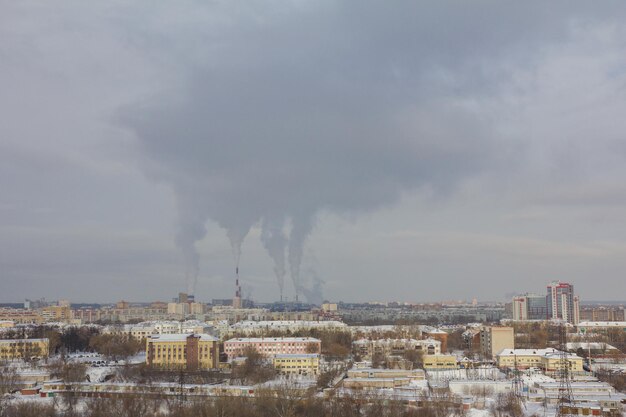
[(558, 355), (271, 339), (296, 355), (432, 330), (526, 352), (22, 340), (181, 337)]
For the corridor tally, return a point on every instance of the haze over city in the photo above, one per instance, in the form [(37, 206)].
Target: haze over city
[(357, 151)]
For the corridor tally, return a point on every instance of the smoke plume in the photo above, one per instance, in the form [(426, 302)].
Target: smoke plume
[(264, 133), (275, 243)]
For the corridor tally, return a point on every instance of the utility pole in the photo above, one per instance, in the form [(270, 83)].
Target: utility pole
[(565, 401), (517, 383)]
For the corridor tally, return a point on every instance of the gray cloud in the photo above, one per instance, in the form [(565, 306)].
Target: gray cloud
[(275, 114)]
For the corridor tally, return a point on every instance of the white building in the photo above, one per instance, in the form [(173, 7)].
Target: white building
[(259, 327), (149, 328)]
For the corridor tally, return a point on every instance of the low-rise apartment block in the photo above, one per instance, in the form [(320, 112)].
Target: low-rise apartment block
[(297, 364), (20, 316), (145, 329), (56, 313), (250, 327), (602, 313), (270, 346), (11, 349), (367, 348)]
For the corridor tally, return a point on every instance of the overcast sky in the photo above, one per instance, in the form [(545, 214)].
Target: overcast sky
[(361, 150)]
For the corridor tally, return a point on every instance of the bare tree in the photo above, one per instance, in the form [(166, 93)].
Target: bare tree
[(255, 368), (506, 405)]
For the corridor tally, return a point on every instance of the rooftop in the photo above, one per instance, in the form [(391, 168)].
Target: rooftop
[(526, 352), (22, 340), (181, 337), (296, 355), (272, 339)]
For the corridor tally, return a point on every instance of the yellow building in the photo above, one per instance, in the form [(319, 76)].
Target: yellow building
[(523, 358), (297, 364), (20, 316), (329, 307), (552, 362), (549, 360), (61, 313), (23, 348), (7, 324), (438, 362), (190, 351)]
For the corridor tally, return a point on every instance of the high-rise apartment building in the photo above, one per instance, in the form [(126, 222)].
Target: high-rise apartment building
[(562, 303), (537, 307), (520, 308), (530, 307)]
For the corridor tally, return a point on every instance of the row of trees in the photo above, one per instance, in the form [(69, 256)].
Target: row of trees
[(280, 402), (80, 339)]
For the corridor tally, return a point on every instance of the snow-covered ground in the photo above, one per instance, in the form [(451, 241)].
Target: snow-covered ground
[(474, 412), (534, 378), (99, 374), (478, 373), (609, 365)]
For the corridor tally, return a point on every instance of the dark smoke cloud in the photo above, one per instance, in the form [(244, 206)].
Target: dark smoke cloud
[(292, 110), (268, 113)]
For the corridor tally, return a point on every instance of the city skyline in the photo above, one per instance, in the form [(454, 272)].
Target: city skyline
[(352, 151)]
